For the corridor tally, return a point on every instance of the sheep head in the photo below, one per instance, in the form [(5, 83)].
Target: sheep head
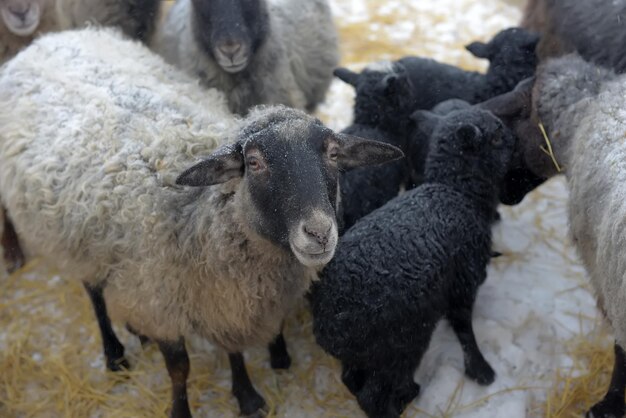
[(231, 31), (384, 95), (287, 165)]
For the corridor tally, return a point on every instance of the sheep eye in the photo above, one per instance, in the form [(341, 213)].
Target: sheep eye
[(255, 164), (333, 153), (496, 141)]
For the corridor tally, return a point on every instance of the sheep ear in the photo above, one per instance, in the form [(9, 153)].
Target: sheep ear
[(478, 49), (347, 76), (224, 164), (532, 40), (467, 135), (512, 103), (425, 121), (358, 152)]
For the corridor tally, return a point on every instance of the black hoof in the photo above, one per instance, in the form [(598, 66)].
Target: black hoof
[(608, 408), (118, 364), (482, 374)]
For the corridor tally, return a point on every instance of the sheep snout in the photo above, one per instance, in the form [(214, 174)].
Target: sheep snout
[(232, 55), (22, 18), (313, 240)]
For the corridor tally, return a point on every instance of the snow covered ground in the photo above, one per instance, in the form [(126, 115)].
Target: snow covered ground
[(535, 300)]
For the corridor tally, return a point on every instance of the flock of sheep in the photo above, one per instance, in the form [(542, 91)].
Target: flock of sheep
[(175, 169)]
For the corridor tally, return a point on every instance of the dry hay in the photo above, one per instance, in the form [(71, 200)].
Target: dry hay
[(578, 388)]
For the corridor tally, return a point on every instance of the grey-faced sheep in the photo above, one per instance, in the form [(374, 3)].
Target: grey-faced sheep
[(593, 28), (94, 182), (22, 20), (256, 51), (581, 107), (398, 271)]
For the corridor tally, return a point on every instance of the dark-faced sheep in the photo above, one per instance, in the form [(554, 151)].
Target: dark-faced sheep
[(420, 258), (256, 51), (223, 250)]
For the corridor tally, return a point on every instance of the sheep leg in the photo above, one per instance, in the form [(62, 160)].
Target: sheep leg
[(279, 356), (376, 396), (353, 378), (177, 363), (113, 348), (612, 406), (476, 367), (406, 392), (250, 402), (13, 255)]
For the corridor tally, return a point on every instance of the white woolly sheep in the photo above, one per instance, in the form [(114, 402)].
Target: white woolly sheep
[(582, 107), (22, 20), (256, 51), (92, 181)]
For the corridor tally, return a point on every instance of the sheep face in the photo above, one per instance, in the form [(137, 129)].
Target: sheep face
[(466, 142), (288, 165), (525, 173), (383, 94), (22, 17), (231, 31)]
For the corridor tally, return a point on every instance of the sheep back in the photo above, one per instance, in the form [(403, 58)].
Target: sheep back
[(396, 273)]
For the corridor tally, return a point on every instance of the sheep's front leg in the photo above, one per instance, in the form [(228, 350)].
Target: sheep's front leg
[(113, 348), (279, 356), (177, 362), (612, 406), (13, 255), (250, 402), (476, 367)]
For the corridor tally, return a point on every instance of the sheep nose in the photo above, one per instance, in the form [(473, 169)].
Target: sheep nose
[(321, 233), (230, 48), (20, 15)]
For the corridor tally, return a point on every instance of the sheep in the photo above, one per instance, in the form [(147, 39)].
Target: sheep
[(593, 28), (408, 264), (580, 105), (256, 51), (512, 58), (94, 182), (368, 188), (22, 20)]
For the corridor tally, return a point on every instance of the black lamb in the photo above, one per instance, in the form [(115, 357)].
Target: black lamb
[(421, 257), (512, 58), (380, 92)]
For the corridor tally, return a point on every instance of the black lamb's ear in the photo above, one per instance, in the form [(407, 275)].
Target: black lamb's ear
[(479, 49), (356, 152), (425, 121), (223, 164), (531, 40), (347, 76)]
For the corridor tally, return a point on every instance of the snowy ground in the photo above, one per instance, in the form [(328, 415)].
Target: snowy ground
[(535, 300)]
